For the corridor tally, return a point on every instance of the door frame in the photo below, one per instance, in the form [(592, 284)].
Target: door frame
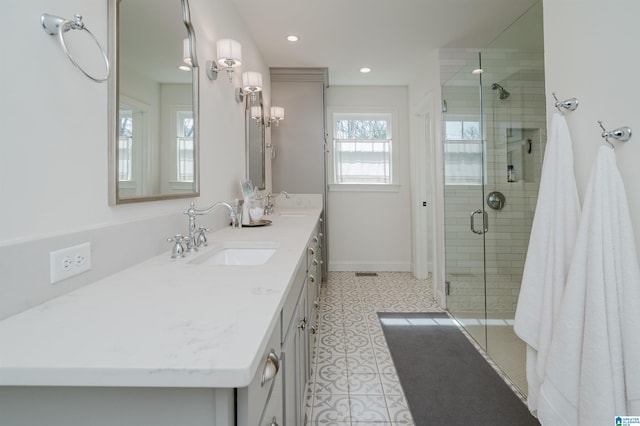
[(427, 185)]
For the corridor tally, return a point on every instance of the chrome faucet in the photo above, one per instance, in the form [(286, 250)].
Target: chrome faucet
[(269, 206), (194, 240)]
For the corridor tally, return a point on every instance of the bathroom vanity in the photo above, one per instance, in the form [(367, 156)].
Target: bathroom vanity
[(175, 341)]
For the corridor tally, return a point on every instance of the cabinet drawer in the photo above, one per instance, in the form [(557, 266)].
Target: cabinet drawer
[(254, 399)]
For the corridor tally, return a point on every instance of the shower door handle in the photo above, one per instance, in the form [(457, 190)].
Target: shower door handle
[(485, 221)]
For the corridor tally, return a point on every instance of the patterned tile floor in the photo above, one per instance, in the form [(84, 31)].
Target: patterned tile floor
[(353, 379)]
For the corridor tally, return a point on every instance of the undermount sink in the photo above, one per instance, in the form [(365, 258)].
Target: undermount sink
[(238, 253)]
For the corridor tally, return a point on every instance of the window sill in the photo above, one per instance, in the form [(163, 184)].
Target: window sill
[(345, 187)]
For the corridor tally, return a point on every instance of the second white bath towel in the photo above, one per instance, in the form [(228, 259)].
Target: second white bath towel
[(593, 373), (550, 248)]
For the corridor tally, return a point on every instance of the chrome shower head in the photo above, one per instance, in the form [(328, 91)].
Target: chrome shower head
[(503, 93)]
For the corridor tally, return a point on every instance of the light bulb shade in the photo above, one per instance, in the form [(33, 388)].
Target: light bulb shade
[(186, 51), (252, 81), (277, 113), (256, 112), (229, 52)]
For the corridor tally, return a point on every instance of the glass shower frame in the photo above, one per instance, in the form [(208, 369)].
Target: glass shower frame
[(485, 249)]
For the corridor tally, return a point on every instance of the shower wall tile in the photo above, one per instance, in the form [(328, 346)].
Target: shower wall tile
[(452, 60), (522, 74)]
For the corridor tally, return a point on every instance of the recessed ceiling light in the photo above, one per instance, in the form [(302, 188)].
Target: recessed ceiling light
[(292, 38), (365, 70), (477, 71), (184, 68)]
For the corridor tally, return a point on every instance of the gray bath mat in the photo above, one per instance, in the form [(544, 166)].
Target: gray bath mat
[(445, 379)]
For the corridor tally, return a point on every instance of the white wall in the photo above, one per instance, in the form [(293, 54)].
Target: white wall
[(591, 54), (53, 156), (372, 230)]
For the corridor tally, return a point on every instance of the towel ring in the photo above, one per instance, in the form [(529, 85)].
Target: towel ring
[(55, 25)]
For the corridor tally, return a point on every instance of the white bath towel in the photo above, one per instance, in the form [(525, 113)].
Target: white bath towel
[(550, 248), (593, 365)]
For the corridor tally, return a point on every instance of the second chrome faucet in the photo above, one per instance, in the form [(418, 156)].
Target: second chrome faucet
[(196, 236)]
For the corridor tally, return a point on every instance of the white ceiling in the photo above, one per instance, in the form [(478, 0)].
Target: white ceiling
[(392, 37)]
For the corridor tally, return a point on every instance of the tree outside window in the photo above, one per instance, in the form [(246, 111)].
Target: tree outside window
[(362, 148)]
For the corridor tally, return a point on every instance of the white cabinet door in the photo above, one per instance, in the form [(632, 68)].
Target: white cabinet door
[(303, 349), (298, 166), (295, 359), (273, 411), (289, 361)]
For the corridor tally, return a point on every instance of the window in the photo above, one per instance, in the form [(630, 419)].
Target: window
[(184, 146), (362, 148), (133, 133), (125, 145), (463, 153)]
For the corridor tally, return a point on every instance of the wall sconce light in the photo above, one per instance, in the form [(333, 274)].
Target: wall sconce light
[(277, 115), (186, 56), (256, 114), (186, 52), (251, 83), (229, 57)]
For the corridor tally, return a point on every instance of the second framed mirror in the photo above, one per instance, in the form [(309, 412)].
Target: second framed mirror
[(255, 129)]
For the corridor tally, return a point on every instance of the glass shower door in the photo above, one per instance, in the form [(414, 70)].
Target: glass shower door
[(466, 221), (494, 127)]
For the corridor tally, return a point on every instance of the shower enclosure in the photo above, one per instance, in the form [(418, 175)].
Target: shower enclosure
[(494, 136)]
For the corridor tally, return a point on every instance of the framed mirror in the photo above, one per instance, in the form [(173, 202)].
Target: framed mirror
[(254, 134), (153, 101)]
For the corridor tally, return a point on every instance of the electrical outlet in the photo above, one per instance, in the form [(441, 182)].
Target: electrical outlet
[(70, 261)]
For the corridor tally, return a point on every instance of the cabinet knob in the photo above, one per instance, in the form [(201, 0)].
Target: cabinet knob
[(314, 239), (271, 367), (312, 279), (274, 422), (314, 329), (315, 262), (312, 252), (303, 323)]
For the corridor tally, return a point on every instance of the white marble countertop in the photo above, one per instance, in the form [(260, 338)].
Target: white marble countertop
[(162, 323)]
